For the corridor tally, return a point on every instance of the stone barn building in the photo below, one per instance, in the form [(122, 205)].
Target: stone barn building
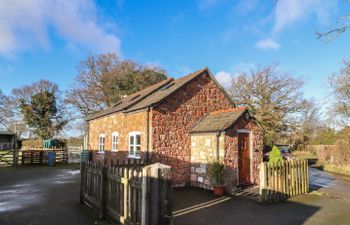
[(184, 123)]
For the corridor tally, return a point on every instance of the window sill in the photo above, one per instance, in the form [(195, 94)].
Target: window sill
[(114, 150), (101, 152), (134, 157)]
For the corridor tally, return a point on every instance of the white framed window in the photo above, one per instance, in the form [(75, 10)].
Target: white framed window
[(101, 143), (134, 144), (115, 141)]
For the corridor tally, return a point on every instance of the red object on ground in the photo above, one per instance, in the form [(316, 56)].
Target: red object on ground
[(219, 191)]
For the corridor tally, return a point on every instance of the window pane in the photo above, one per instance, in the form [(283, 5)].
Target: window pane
[(138, 150), (131, 150), (132, 140), (138, 139)]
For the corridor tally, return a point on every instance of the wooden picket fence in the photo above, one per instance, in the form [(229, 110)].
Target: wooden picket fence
[(127, 191), (281, 180)]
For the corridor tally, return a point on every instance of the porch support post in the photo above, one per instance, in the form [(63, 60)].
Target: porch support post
[(218, 145)]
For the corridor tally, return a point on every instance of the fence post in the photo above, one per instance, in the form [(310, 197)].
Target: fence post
[(82, 181), (103, 191), (156, 195), (15, 157), (263, 181)]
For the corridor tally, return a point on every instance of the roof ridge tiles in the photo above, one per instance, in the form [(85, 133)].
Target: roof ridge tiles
[(228, 110)]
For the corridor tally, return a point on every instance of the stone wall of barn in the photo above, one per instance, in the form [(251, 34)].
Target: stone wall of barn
[(117, 122), (203, 151), (231, 152), (173, 119)]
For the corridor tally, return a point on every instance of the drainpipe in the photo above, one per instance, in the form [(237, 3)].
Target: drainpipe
[(147, 135), (87, 135), (218, 145)]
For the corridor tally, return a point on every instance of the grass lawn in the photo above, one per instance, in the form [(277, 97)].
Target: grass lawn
[(305, 155), (341, 169)]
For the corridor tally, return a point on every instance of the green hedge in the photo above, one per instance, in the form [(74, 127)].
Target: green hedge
[(38, 143)]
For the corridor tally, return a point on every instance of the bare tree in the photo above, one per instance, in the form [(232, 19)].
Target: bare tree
[(341, 25), (5, 112), (271, 95), (308, 124), (340, 83), (102, 80)]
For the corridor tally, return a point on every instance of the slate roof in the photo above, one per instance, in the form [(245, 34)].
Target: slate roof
[(218, 120), (151, 95), (2, 132)]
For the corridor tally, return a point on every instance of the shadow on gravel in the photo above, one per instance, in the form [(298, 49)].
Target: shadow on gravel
[(196, 206), (39, 195)]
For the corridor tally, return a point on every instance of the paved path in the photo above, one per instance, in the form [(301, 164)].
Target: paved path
[(328, 205), (43, 196)]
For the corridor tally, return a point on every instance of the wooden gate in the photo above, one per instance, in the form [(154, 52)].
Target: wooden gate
[(281, 180), (127, 192)]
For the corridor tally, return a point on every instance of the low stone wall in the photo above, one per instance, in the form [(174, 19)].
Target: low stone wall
[(203, 151)]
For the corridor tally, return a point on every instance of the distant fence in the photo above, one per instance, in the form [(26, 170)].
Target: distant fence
[(281, 180), (74, 153), (40, 155), (127, 192), (10, 157)]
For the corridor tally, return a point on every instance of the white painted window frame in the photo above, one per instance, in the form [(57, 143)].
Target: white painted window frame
[(115, 142), (101, 144), (134, 134)]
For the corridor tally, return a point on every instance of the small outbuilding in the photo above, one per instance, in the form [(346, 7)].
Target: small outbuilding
[(7, 140), (231, 136)]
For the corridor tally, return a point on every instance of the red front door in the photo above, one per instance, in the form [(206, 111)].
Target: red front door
[(243, 158)]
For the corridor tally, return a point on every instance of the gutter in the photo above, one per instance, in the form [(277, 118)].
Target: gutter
[(87, 135)]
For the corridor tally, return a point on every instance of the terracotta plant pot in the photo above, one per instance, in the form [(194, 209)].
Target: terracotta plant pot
[(219, 191)]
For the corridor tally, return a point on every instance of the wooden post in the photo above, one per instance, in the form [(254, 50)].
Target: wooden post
[(103, 175), (156, 195), (307, 178), (82, 181), (15, 157), (263, 181)]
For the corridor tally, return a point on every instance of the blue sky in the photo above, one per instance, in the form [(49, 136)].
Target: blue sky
[(46, 39)]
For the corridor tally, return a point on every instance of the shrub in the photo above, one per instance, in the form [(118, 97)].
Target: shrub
[(275, 155), (216, 172)]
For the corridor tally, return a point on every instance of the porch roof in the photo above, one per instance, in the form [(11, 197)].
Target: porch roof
[(218, 120)]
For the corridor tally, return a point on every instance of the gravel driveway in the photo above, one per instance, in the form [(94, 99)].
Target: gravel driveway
[(50, 196), (33, 195)]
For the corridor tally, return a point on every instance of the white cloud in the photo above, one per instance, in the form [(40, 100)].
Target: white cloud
[(246, 6), (206, 4), (224, 78), (267, 44), (30, 24), (288, 12)]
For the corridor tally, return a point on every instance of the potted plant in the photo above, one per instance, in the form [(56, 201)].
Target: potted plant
[(216, 172)]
